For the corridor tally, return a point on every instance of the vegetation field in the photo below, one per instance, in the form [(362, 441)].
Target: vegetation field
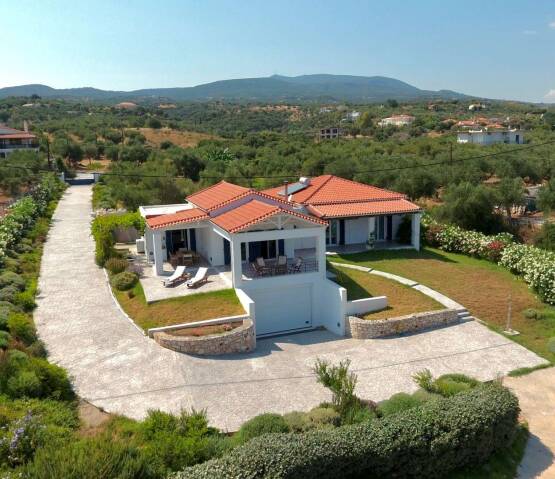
[(181, 138), (401, 299), (186, 309), (484, 288)]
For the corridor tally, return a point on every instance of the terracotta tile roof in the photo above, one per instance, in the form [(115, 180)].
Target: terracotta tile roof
[(12, 133), (185, 216), (217, 195), (333, 189), (363, 208), (254, 212)]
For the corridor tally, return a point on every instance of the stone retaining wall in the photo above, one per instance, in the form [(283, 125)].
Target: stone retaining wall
[(375, 328), (238, 340)]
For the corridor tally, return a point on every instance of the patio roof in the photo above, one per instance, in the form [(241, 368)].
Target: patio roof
[(253, 212), (363, 208), (187, 216)]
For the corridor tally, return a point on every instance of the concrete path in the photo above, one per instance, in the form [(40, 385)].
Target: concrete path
[(116, 367), (536, 393)]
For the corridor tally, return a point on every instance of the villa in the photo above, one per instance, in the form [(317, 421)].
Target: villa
[(274, 242)]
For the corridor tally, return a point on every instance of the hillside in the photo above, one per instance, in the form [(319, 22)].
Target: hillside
[(275, 88)]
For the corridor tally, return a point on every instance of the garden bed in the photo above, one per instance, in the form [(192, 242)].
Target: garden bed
[(186, 309)]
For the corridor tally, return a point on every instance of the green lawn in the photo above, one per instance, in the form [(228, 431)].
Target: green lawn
[(401, 299), (195, 307), (482, 287)]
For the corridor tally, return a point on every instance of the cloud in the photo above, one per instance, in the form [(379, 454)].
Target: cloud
[(530, 32), (550, 95), (551, 24)]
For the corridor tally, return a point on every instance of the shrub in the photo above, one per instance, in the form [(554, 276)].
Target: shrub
[(397, 403), (323, 417), (262, 424), (10, 278), (90, 459), (425, 441), (116, 265), (448, 387), (124, 281), (5, 310), (24, 384), (531, 313), (425, 380), (339, 381), (26, 300), (21, 327), (9, 293), (4, 339)]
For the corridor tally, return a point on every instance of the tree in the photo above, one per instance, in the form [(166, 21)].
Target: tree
[(546, 197), (546, 237), (365, 120), (154, 123), (510, 193), (470, 207), (392, 103)]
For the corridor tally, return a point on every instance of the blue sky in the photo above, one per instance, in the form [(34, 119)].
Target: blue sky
[(493, 48)]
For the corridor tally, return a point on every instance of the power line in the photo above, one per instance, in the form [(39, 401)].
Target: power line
[(450, 161)]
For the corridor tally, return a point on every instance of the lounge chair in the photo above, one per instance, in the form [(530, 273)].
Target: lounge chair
[(296, 266), (281, 265), (200, 278), (178, 275)]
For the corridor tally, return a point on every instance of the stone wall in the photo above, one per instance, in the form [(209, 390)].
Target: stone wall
[(375, 328), (238, 340)]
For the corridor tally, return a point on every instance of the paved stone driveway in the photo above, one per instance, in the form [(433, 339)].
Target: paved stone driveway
[(117, 368)]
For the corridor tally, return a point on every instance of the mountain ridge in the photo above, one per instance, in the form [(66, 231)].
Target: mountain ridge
[(322, 87)]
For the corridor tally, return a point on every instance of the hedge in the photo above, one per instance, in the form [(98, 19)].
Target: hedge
[(103, 228), (535, 265), (426, 441)]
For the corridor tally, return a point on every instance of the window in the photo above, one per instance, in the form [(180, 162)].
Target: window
[(332, 233)]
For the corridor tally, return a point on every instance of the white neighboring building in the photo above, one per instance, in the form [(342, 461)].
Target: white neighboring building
[(397, 120), (491, 137), (232, 226)]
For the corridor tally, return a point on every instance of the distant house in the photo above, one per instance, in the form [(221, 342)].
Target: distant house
[(126, 105), (486, 136), (477, 106), (352, 115), (12, 140), (397, 120), (330, 133)]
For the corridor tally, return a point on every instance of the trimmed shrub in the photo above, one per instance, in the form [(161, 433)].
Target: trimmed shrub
[(397, 403), (425, 441), (448, 387), (9, 278), (259, 425), (531, 313), (26, 300), (24, 384), (317, 418), (124, 281), (21, 327), (116, 265), (5, 310)]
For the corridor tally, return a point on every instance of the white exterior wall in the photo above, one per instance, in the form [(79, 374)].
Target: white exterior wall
[(210, 245), (483, 137), (356, 230), (331, 306), (366, 305)]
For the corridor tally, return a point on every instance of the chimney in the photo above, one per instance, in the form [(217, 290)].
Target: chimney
[(285, 184), (25, 126)]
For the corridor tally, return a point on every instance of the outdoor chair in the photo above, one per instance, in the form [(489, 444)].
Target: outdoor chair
[(200, 278), (296, 266), (261, 268), (178, 275), (281, 265)]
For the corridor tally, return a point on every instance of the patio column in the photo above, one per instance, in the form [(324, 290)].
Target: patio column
[(321, 253), (416, 231), (149, 250), (236, 263), (159, 253)]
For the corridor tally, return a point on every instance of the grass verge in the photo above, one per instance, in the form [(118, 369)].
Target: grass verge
[(195, 307)]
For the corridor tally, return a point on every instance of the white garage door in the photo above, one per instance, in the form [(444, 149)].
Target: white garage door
[(283, 309)]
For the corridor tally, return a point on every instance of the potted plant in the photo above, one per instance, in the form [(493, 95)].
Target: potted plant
[(370, 241)]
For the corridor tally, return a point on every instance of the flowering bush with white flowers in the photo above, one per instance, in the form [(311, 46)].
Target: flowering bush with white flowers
[(535, 265), (23, 213)]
